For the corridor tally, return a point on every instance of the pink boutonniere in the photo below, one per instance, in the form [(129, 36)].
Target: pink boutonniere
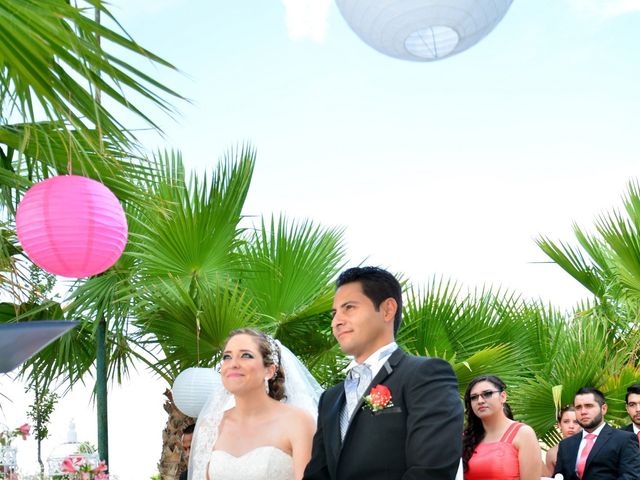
[(378, 399)]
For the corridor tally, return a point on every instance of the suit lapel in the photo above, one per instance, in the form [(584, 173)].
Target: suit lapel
[(573, 445), (381, 376), (333, 424), (603, 438)]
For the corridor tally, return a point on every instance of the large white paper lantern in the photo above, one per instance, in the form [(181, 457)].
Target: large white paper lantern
[(422, 30), (193, 387)]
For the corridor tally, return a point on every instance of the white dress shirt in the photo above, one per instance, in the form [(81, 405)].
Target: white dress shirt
[(583, 442), (376, 360)]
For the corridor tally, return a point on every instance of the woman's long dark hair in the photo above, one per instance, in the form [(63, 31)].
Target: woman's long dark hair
[(474, 430)]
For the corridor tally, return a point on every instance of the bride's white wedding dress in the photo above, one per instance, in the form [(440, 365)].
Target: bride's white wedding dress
[(261, 463)]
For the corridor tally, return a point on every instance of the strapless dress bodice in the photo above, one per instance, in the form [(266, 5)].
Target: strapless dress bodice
[(262, 463)]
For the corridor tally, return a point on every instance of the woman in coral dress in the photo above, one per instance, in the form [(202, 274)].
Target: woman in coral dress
[(494, 446)]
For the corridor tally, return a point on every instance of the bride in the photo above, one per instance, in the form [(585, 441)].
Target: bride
[(260, 427)]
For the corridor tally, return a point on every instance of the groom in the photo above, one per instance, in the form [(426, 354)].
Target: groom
[(414, 434)]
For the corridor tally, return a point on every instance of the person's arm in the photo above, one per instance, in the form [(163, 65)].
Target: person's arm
[(629, 459), (317, 467), (550, 460), (529, 455), (560, 462), (434, 421), (302, 431)]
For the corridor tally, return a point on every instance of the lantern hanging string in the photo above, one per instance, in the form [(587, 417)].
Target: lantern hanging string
[(198, 337), (98, 93), (69, 156)]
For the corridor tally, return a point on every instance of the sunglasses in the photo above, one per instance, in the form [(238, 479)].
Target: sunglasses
[(486, 395)]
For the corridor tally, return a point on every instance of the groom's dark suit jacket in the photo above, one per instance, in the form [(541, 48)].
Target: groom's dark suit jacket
[(419, 437), (614, 456)]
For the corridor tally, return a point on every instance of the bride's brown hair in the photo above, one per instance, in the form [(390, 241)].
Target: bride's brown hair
[(270, 356)]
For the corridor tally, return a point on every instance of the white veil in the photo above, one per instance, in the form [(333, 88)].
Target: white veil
[(301, 390)]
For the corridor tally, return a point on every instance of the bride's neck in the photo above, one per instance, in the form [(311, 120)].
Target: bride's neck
[(252, 405)]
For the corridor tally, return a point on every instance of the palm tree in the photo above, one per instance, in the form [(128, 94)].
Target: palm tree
[(470, 330), (274, 277), (543, 355), (599, 344), (54, 73), (191, 273)]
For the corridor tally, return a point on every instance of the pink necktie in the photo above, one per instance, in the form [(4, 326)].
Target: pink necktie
[(590, 440)]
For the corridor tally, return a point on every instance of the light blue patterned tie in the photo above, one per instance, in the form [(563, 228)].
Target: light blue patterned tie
[(355, 385)]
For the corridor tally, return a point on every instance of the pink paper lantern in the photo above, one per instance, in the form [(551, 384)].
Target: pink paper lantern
[(71, 226)]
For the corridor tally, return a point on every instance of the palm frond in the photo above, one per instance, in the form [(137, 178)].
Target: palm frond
[(53, 61), (194, 233), (288, 267)]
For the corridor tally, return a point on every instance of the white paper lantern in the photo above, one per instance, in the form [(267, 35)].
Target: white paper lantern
[(193, 387), (422, 30)]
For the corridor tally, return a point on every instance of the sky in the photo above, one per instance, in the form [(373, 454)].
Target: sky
[(449, 169)]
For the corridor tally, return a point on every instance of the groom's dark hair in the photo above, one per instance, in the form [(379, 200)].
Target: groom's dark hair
[(378, 285)]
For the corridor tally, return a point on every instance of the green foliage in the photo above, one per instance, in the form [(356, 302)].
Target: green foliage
[(87, 448), (53, 59), (598, 345), (40, 411)]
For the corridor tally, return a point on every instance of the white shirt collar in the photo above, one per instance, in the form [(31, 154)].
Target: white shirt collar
[(376, 360), (596, 432), (635, 428)]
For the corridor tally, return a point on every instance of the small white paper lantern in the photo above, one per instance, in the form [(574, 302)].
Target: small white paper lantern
[(193, 387), (422, 30)]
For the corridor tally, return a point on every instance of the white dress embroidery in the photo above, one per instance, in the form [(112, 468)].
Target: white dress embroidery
[(262, 463)]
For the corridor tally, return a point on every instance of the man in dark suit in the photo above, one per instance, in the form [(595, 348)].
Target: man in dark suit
[(599, 452), (395, 416), (632, 401)]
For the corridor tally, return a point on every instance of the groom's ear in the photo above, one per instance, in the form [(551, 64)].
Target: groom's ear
[(389, 307)]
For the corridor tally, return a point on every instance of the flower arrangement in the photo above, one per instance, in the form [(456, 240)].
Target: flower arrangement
[(378, 399), (6, 436), (79, 468)]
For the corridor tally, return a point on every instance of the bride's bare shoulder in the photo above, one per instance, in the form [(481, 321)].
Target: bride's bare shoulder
[(295, 413)]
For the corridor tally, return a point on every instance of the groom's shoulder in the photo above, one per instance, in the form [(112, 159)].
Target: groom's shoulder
[(335, 389), (416, 361)]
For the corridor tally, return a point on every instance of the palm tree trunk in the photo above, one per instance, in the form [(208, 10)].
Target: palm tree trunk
[(171, 462)]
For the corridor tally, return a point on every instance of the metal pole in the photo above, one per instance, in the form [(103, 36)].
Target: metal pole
[(101, 390), (101, 341)]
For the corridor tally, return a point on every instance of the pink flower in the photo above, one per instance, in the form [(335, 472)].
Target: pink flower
[(68, 465), (82, 468), (102, 467), (24, 430)]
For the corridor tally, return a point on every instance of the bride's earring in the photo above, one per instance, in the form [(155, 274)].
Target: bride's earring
[(266, 385)]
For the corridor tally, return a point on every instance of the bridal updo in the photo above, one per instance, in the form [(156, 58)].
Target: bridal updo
[(271, 355)]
